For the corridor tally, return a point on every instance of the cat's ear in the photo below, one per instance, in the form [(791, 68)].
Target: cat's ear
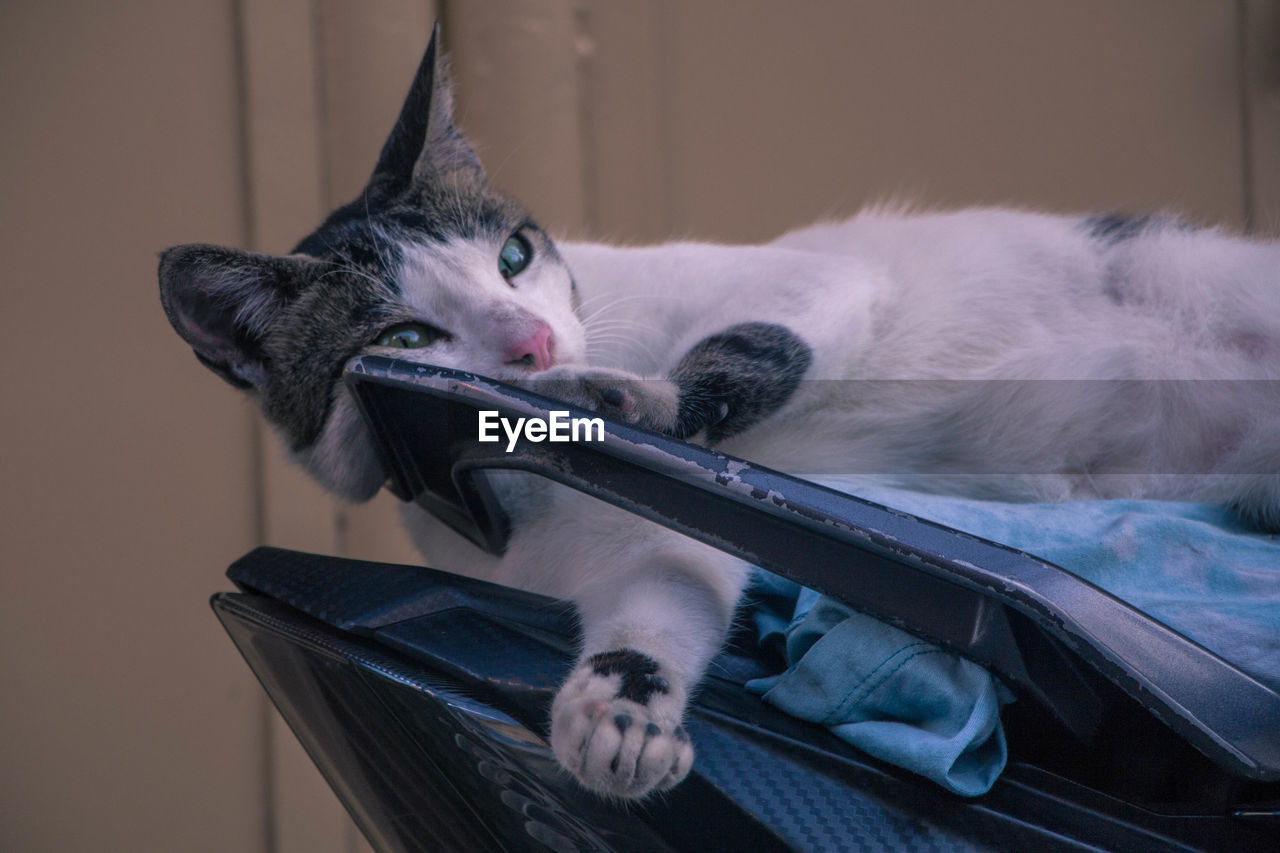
[(223, 301), (424, 146)]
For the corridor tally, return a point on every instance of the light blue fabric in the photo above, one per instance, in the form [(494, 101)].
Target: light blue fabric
[(881, 689), (1196, 568)]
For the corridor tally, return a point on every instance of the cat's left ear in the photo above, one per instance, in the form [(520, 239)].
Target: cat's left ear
[(223, 303), (424, 147)]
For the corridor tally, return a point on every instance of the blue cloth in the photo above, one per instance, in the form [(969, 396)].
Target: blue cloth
[(1194, 567), (881, 689)]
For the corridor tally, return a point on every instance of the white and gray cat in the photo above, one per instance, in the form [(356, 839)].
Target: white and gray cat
[(431, 264)]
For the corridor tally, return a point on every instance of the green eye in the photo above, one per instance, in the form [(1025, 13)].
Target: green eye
[(515, 256), (409, 336)]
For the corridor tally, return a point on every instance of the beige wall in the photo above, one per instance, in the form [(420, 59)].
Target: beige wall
[(132, 476), (125, 720), (738, 120)]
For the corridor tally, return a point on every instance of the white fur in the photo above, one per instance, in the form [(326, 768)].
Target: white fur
[(980, 294), (457, 287)]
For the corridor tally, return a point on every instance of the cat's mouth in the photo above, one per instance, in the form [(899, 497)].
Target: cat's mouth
[(528, 360)]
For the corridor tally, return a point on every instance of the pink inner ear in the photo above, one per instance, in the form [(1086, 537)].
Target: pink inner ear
[(198, 337), (217, 352)]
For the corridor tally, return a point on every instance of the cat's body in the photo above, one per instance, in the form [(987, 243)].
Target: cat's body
[(983, 294), (932, 350)]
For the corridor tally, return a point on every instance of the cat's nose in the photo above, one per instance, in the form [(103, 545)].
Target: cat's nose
[(534, 351)]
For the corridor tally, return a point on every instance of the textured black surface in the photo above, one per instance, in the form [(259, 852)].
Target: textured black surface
[(431, 731), (810, 810)]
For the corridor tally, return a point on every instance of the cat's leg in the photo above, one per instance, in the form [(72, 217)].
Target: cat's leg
[(649, 403), (723, 385), (616, 724), (731, 380), (654, 608)]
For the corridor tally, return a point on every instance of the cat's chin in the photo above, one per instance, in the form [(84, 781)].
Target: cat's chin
[(343, 459)]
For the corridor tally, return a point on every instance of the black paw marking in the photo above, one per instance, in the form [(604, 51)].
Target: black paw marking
[(640, 679), (732, 379), (623, 722)]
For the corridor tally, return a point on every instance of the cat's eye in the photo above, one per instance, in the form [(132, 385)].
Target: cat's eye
[(515, 256), (409, 336)]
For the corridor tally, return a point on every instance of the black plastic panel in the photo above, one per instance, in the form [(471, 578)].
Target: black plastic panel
[(430, 728)]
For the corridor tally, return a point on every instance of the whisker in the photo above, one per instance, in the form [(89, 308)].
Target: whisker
[(373, 230), (634, 345), (618, 303), (355, 272), (617, 328), (623, 297), (619, 324)]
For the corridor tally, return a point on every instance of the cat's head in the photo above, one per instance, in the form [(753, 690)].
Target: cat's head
[(428, 263)]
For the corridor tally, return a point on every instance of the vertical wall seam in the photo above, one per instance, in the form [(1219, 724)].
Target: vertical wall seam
[(672, 220), (257, 460), (322, 102), (1245, 74), (324, 153), (584, 73)]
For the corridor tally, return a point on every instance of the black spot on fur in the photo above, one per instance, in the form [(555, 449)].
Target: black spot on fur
[(735, 378), (1113, 228), (349, 235), (640, 679), (1257, 512)]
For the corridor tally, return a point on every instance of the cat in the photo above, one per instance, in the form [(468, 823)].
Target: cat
[(725, 343)]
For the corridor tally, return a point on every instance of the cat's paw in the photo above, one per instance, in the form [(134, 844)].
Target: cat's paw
[(649, 403), (616, 726)]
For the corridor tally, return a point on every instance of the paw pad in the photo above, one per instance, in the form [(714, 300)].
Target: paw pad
[(611, 742)]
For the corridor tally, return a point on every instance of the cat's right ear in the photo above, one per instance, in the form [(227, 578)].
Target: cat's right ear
[(223, 302), (424, 147)]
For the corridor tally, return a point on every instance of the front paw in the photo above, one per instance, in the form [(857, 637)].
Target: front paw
[(648, 403), (616, 726)]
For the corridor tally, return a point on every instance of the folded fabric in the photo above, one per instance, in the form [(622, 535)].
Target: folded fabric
[(1196, 568), (881, 689)]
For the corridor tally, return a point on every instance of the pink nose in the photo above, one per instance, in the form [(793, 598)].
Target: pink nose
[(534, 351)]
